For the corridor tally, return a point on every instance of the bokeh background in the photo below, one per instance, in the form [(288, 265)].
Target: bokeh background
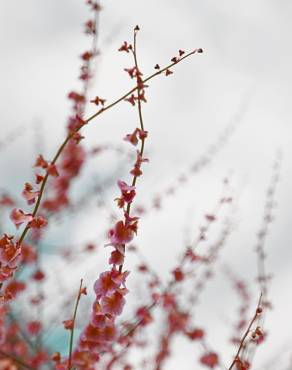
[(242, 80)]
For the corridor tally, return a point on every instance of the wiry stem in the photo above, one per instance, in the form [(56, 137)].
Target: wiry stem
[(242, 342), (73, 326), (140, 115)]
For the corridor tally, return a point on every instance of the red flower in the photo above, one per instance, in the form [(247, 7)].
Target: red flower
[(38, 222), (87, 56), (144, 316), (34, 327), (38, 275), (131, 99), (98, 101), (14, 287), (52, 170), (125, 47), (178, 274), (28, 254), (195, 334), (10, 253), (68, 324), (209, 359), (132, 138), (41, 162)]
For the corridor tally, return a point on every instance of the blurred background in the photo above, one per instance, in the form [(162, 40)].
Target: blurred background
[(226, 111)]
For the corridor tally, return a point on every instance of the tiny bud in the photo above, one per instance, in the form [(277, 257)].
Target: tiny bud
[(200, 51), (157, 66), (259, 310), (168, 72), (56, 357), (137, 28), (68, 324)]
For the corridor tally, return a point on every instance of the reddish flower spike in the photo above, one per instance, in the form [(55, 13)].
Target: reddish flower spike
[(98, 101), (125, 47), (131, 99)]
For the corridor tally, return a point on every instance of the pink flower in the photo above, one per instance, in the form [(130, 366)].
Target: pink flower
[(113, 304), (109, 282), (137, 133), (128, 193), (120, 234), (105, 285), (29, 194), (18, 217), (124, 187), (116, 258)]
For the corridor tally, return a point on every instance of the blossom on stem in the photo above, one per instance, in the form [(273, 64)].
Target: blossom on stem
[(18, 217), (29, 194)]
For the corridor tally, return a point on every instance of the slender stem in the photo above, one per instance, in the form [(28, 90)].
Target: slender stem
[(16, 359), (73, 325), (139, 111), (140, 119), (242, 342)]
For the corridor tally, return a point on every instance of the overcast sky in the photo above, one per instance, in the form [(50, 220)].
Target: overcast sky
[(247, 55)]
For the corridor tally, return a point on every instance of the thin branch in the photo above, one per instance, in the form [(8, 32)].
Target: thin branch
[(73, 324), (242, 342)]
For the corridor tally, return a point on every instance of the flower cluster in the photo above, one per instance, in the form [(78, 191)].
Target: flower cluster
[(10, 257), (73, 156), (100, 333)]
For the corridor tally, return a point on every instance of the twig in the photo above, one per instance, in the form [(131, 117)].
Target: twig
[(257, 313), (73, 325)]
